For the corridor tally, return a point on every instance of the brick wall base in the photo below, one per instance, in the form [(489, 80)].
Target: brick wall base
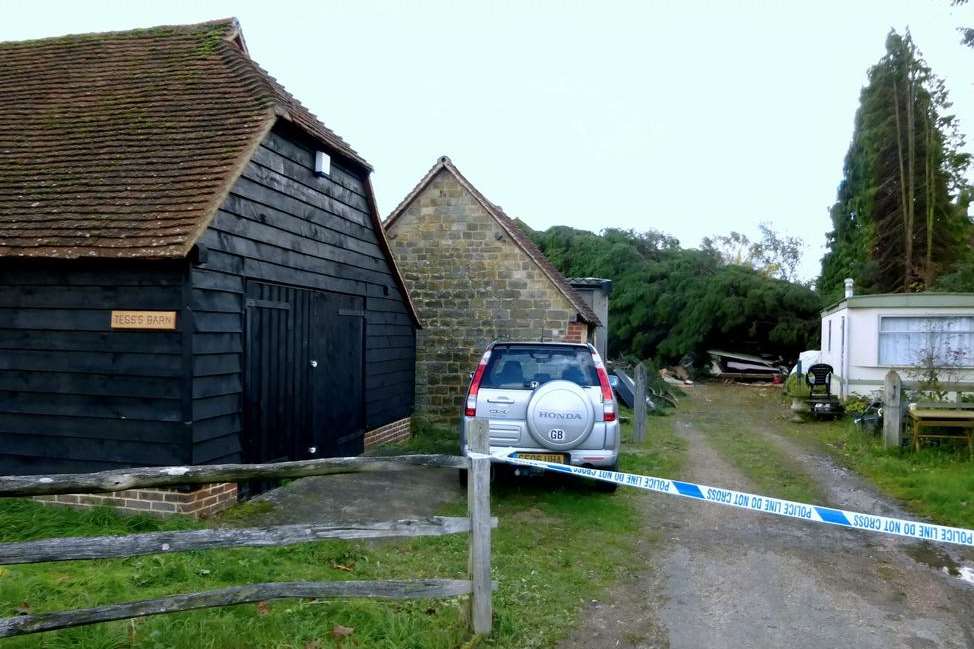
[(203, 501), (198, 503), (396, 431)]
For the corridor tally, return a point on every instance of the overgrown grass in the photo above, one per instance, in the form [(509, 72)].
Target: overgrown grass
[(732, 421), (426, 438), (559, 543), (937, 482), (662, 454)]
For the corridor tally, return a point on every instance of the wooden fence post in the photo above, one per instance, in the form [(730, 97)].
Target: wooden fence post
[(478, 507), (892, 412), (478, 523), (639, 407)]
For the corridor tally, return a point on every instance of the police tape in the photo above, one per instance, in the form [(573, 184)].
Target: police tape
[(756, 503)]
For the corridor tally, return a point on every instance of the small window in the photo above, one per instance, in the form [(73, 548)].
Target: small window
[(322, 163), (905, 341), (829, 348)]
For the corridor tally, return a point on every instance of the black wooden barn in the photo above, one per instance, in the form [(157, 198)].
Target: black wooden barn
[(193, 269)]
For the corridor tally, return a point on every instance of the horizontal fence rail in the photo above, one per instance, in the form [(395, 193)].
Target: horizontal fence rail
[(411, 589), (478, 524), (83, 548), (172, 476)]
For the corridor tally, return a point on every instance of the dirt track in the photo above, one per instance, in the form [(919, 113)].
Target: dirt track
[(713, 577)]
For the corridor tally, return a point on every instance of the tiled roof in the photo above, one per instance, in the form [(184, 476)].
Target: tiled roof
[(124, 144), (510, 226)]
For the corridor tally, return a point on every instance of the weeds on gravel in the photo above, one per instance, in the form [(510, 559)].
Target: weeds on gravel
[(937, 482), (732, 422), (770, 469)]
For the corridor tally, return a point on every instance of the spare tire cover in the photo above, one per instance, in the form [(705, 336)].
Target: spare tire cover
[(560, 415)]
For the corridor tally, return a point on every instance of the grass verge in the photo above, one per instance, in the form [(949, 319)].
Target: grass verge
[(937, 483), (662, 454), (559, 543)]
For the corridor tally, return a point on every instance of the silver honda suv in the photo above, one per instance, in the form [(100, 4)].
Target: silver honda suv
[(547, 401)]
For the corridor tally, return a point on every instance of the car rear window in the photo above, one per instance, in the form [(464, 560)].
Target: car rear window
[(517, 367)]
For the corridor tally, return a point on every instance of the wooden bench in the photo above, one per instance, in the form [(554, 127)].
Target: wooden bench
[(942, 420)]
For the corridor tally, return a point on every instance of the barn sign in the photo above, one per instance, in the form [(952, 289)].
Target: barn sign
[(162, 320)]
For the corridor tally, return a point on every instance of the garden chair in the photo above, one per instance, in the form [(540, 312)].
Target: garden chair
[(819, 380)]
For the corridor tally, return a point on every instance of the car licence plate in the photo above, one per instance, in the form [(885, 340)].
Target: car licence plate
[(557, 458)]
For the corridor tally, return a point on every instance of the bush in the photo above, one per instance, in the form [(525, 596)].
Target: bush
[(857, 404)]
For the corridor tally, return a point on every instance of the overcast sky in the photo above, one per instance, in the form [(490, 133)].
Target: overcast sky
[(693, 118)]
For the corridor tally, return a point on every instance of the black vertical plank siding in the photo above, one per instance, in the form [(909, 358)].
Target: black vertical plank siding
[(218, 313), (187, 327), (281, 224), (76, 395)]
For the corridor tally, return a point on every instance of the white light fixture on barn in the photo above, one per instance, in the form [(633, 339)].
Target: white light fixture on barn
[(322, 163)]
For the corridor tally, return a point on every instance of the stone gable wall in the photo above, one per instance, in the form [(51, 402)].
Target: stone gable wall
[(471, 285)]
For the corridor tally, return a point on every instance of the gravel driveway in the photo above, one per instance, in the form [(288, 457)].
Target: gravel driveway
[(711, 577)]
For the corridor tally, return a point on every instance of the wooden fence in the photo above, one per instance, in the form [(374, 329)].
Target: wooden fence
[(478, 523)]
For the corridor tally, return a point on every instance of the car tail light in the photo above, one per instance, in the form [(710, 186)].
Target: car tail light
[(471, 407), (608, 403)]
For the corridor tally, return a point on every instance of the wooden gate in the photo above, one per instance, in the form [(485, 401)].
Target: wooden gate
[(304, 377)]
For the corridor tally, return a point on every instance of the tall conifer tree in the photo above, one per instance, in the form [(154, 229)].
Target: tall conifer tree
[(897, 222)]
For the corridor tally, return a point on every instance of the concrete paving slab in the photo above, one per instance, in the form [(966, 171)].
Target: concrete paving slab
[(413, 493)]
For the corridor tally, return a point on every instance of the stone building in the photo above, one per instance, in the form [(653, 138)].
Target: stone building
[(475, 277)]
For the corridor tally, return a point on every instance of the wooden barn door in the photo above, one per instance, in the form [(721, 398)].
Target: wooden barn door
[(276, 408), (338, 406), (304, 374)]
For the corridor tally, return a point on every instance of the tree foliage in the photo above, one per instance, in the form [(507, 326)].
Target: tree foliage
[(899, 221), (966, 33), (668, 301), (773, 255)]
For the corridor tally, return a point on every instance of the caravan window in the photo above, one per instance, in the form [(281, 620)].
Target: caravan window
[(908, 341)]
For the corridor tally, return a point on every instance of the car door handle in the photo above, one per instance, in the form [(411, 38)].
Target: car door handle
[(501, 400)]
